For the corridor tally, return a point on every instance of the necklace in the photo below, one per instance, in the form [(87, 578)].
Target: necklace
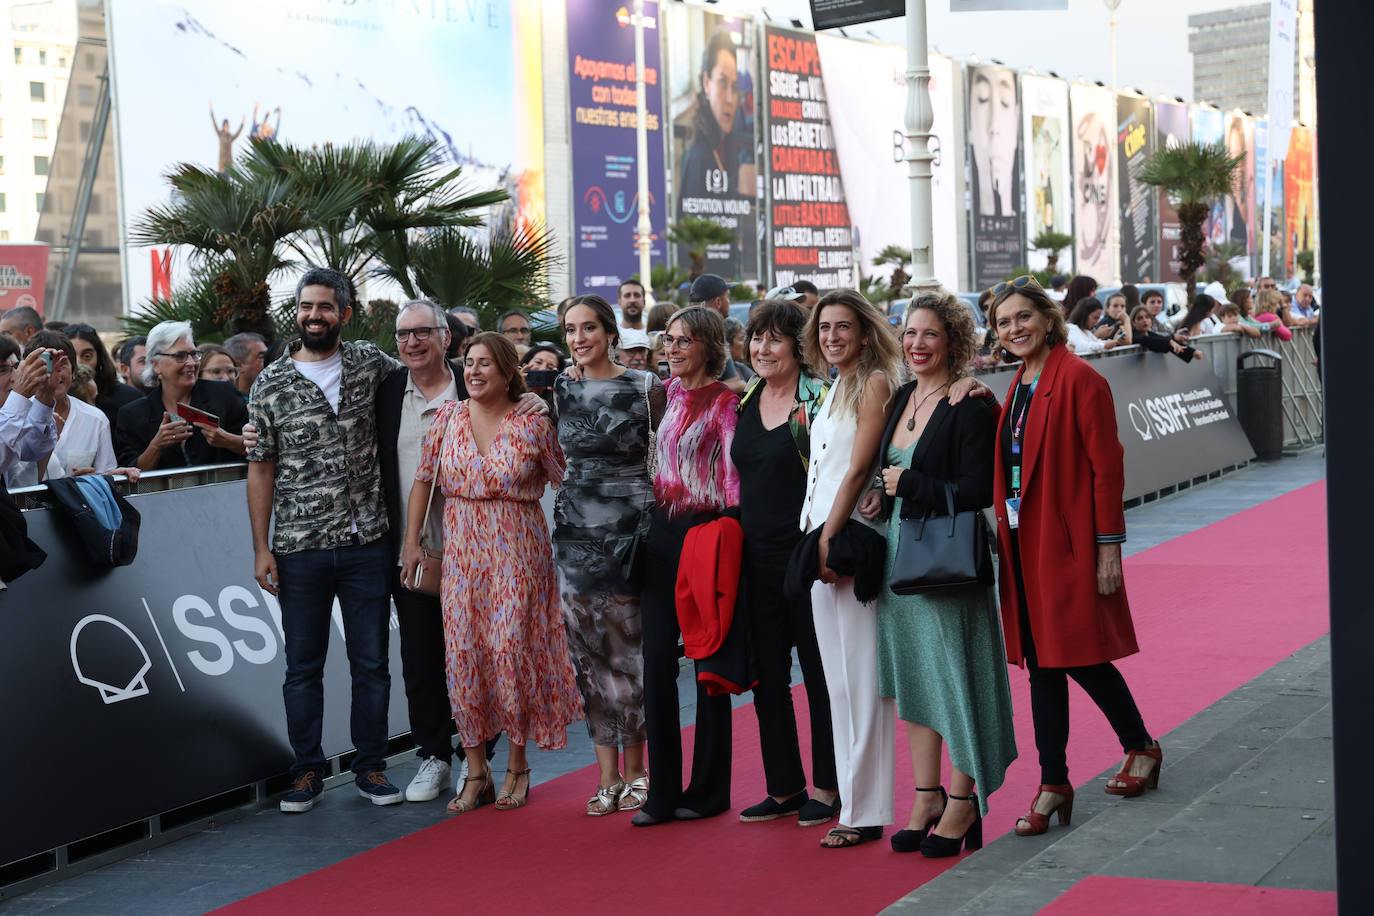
[(911, 422)]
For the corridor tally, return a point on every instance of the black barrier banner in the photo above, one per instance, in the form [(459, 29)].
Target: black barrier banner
[(159, 682), (830, 14), (1172, 417)]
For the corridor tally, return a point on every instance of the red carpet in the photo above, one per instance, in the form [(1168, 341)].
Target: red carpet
[(1210, 615), (1144, 897)]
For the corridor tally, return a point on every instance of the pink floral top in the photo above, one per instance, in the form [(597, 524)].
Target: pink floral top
[(695, 473)]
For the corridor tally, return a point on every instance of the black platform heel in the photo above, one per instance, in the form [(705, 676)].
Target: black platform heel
[(910, 840), (935, 846)]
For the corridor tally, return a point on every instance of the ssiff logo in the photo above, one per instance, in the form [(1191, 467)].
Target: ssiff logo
[(128, 671)]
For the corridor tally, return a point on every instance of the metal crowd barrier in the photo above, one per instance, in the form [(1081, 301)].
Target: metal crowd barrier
[(148, 482)]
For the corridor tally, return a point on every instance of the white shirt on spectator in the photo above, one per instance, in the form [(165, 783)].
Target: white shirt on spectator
[(326, 374), (87, 431), (1084, 342), (1210, 325), (25, 473), (27, 430), (1057, 294), (416, 415)]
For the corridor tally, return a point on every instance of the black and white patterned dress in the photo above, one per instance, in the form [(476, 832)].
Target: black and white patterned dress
[(603, 427)]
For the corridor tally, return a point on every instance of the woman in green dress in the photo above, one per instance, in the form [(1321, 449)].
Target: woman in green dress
[(940, 654)]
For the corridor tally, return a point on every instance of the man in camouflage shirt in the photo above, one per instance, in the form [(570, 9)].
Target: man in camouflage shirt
[(315, 469)]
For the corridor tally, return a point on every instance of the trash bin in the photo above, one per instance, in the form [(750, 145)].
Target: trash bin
[(1259, 403)]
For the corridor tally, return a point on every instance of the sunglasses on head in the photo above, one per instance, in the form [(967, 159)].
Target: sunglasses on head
[(1020, 282)]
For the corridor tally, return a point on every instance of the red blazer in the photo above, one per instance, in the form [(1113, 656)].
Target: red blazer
[(1071, 485)]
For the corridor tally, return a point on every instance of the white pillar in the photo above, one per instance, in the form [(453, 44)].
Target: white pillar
[(919, 119), (645, 227)]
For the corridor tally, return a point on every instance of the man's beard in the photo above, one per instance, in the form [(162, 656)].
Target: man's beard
[(319, 341)]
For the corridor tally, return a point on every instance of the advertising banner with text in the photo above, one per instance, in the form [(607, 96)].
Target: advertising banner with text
[(1299, 210), (810, 234), (712, 115), (170, 670), (23, 275), (1171, 130), (1205, 125), (1049, 205), (994, 144), (1239, 137), (1267, 169), (601, 87), (1093, 147), (1135, 141)]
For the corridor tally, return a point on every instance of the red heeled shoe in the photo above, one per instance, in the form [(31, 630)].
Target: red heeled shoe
[(1136, 785), (1037, 823)]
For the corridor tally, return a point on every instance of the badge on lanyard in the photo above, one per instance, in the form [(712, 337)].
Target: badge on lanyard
[(1014, 512)]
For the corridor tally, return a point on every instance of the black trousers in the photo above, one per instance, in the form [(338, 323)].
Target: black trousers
[(423, 667), (1049, 690), (778, 625), (708, 792)]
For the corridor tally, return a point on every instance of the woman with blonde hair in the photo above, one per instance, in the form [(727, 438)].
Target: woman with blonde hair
[(847, 334)]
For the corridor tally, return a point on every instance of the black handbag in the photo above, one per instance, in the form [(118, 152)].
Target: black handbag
[(939, 552)]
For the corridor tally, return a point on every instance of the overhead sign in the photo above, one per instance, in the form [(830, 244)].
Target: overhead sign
[(830, 14), (172, 666)]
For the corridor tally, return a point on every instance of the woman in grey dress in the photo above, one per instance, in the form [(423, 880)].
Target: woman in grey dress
[(940, 653), (605, 416)]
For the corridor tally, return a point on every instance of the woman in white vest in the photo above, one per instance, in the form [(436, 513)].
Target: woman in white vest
[(848, 335)]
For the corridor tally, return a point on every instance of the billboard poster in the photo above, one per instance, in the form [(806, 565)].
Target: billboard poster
[(1134, 143), (1239, 137), (809, 229), (316, 72), (829, 14), (1045, 125), (1299, 212), (947, 190), (1171, 131), (994, 123), (23, 276), (601, 89), (865, 96), (1268, 170), (1093, 153), (712, 117), (1206, 127)]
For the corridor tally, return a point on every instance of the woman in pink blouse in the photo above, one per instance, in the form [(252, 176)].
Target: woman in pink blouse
[(695, 483)]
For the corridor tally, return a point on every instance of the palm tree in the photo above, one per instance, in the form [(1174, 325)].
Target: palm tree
[(1051, 243), (1194, 175), (899, 258), (664, 280), (697, 235)]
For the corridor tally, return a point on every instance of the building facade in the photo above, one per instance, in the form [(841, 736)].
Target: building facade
[(1230, 51)]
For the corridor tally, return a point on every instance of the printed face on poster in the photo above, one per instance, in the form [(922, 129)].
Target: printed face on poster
[(23, 276), (1171, 131), (315, 72), (1134, 144), (602, 96), (1093, 149), (994, 123), (810, 231), (1045, 124), (712, 114), (1239, 137)]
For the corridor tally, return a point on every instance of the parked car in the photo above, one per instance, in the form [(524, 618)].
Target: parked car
[(897, 308)]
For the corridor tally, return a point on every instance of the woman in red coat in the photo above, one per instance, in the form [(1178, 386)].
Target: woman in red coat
[(1060, 526)]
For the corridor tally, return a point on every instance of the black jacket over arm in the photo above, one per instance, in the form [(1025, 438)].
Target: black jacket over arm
[(955, 447), (140, 419), (389, 397)]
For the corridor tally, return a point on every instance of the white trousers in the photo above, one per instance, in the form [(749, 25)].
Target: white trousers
[(863, 724)]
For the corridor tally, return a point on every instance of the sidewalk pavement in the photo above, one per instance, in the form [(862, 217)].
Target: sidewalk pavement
[(1245, 798)]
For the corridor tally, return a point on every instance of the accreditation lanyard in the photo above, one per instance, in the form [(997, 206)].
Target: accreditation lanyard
[(1018, 431)]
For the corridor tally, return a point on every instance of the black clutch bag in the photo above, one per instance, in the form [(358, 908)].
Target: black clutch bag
[(939, 552)]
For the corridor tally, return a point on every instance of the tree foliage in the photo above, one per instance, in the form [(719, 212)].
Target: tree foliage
[(697, 235), (1194, 175)]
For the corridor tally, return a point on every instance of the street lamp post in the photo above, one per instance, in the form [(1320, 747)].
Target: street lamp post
[(645, 227), (920, 117), (1112, 5)]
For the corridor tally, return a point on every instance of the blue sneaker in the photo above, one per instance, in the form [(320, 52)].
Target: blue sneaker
[(376, 787), (306, 790)]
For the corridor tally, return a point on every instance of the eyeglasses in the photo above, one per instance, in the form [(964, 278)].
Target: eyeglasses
[(182, 356), (1020, 282), (516, 332), (672, 343), (420, 334)]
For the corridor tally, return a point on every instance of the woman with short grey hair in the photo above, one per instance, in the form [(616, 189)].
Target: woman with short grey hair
[(153, 432)]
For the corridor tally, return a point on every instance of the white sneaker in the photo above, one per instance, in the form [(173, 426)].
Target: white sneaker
[(429, 781)]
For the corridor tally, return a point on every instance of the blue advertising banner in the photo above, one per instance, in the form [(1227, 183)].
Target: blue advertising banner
[(601, 87)]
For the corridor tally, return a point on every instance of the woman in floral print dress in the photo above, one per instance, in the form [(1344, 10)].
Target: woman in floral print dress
[(509, 668)]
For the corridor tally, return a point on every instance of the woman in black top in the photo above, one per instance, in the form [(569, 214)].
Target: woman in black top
[(1138, 332), (151, 435), (111, 393), (770, 451)]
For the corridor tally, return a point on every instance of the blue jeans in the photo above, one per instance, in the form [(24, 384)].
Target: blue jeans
[(309, 581)]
